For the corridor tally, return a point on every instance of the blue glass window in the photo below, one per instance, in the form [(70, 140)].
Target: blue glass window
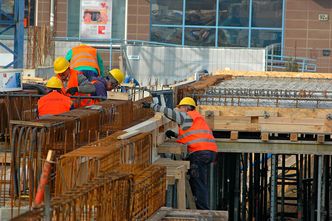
[(233, 38), (166, 35), (219, 23), (267, 13), (234, 13), (201, 12), (263, 38), (166, 12), (199, 37)]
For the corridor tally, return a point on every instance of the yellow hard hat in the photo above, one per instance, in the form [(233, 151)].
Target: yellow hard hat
[(60, 65), (118, 75), (187, 101), (54, 82)]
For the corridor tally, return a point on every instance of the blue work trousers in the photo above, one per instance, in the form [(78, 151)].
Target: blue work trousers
[(199, 168)]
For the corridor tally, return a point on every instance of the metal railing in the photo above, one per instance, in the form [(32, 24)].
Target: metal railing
[(276, 60)]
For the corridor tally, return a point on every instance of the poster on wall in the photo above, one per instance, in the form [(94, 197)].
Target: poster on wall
[(10, 80), (96, 19)]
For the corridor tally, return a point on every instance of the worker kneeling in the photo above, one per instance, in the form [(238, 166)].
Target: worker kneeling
[(55, 102), (202, 148)]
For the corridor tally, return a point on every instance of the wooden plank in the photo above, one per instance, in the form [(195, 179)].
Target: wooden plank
[(234, 135), (295, 113), (293, 137), (236, 127), (320, 138), (288, 120), (265, 136), (274, 74), (117, 95), (260, 113), (172, 147), (34, 124), (289, 128), (128, 134)]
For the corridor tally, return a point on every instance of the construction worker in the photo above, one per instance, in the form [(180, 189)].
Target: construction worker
[(109, 83), (202, 149), (86, 59), (75, 83), (55, 102)]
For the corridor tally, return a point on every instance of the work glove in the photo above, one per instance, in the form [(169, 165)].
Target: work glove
[(146, 105), (72, 90), (170, 134)]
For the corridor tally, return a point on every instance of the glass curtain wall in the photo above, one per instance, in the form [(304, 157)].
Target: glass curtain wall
[(219, 23)]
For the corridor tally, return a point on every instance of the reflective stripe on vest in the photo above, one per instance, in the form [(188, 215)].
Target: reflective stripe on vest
[(195, 132), (198, 137), (84, 56), (201, 140)]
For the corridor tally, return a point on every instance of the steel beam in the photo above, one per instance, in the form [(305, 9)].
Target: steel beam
[(274, 147)]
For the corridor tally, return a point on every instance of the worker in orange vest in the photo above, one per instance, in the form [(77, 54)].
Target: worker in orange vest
[(102, 85), (86, 59), (202, 148), (55, 102), (75, 83)]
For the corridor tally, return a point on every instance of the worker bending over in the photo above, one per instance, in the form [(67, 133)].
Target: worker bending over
[(202, 148), (55, 102), (86, 59), (75, 83), (102, 85)]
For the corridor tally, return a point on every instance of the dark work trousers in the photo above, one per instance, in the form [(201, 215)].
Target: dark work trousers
[(199, 167), (89, 74)]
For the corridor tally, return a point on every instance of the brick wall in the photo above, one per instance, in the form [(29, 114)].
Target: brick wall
[(138, 27), (305, 34)]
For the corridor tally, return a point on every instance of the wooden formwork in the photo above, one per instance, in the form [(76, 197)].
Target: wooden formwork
[(85, 163)]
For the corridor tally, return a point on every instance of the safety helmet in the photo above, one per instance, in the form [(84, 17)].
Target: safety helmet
[(60, 65), (117, 74), (54, 82), (187, 101)]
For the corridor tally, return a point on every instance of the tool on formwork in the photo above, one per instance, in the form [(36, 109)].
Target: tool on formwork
[(44, 178)]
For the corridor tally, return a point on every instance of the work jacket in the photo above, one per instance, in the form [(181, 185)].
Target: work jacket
[(73, 82), (53, 103), (199, 136), (84, 56)]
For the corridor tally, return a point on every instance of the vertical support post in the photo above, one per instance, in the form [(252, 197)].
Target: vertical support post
[(111, 54), (183, 20), (47, 214), (217, 24), (244, 186), (251, 192), (319, 187), (19, 33), (237, 188), (273, 200), (299, 187), (283, 174), (212, 187)]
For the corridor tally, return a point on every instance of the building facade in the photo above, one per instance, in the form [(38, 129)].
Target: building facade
[(298, 28)]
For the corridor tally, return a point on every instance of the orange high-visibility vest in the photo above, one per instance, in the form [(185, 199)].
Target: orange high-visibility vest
[(73, 82), (53, 103), (199, 136), (84, 55)]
